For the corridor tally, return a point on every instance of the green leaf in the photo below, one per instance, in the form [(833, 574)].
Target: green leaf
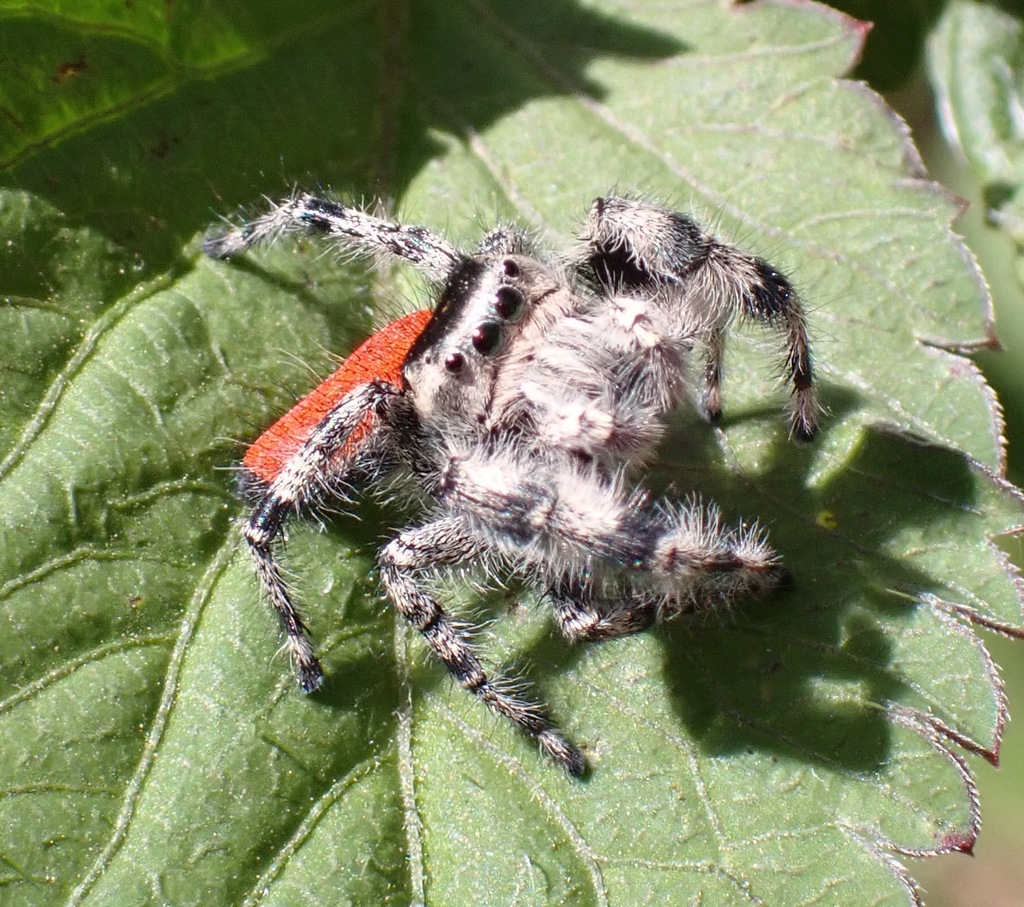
[(155, 749), (976, 63)]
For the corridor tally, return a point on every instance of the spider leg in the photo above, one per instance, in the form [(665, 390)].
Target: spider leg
[(403, 563), (714, 355), (354, 228), (580, 616), (564, 519), (298, 482), (769, 297), (635, 249)]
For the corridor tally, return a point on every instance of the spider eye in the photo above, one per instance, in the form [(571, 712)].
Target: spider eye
[(454, 362), (486, 338), (509, 302), (510, 268)]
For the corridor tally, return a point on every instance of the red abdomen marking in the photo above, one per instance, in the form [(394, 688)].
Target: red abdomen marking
[(379, 358)]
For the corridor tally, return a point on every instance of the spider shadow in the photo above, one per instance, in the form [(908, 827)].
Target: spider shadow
[(347, 99), (802, 674)]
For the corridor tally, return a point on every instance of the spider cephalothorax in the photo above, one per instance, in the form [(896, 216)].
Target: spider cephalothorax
[(521, 406)]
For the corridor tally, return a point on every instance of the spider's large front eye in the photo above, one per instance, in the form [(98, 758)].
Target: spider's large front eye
[(486, 338), (509, 302), (454, 362)]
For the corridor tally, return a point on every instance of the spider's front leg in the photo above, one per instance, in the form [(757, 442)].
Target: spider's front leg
[(298, 483), (405, 564), (354, 230), (641, 251)]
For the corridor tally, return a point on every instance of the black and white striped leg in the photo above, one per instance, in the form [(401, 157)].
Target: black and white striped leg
[(360, 231), (573, 518), (641, 250), (580, 617), (307, 471), (771, 298), (403, 563), (260, 533)]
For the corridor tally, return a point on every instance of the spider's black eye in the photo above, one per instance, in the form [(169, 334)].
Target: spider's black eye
[(454, 362), (486, 338), (509, 302), (510, 268)]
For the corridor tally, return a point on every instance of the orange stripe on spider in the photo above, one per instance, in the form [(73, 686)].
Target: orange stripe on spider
[(379, 358)]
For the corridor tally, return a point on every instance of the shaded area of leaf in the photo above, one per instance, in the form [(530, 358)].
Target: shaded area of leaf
[(328, 91), (71, 67)]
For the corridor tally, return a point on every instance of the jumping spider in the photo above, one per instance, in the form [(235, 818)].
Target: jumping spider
[(522, 407)]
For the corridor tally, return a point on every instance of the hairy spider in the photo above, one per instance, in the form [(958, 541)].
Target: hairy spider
[(521, 406)]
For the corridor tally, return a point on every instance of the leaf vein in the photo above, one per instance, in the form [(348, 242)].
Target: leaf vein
[(168, 697)]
